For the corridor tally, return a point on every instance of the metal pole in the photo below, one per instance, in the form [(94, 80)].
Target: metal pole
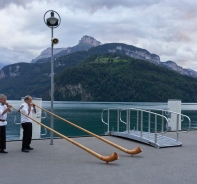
[(52, 87), (155, 128), (177, 128), (149, 122), (108, 120), (118, 120), (141, 124)]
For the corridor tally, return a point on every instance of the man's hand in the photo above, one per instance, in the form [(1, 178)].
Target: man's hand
[(8, 105)]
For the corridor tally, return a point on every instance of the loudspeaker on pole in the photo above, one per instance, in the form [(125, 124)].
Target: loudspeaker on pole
[(55, 41)]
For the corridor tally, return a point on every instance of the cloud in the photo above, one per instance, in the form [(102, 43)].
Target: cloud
[(6, 3), (163, 27), (92, 6)]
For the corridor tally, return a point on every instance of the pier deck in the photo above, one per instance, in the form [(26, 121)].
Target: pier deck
[(65, 163)]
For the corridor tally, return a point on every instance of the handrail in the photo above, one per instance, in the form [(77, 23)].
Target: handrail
[(143, 111), (132, 152), (140, 122), (121, 118), (107, 110), (137, 109), (15, 121), (102, 116), (43, 117), (45, 132), (177, 114), (114, 156), (102, 119)]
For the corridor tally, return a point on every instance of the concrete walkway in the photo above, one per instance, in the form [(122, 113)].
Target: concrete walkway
[(65, 163)]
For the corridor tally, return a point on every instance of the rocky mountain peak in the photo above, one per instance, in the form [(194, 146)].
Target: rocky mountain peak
[(47, 53), (173, 66), (90, 40), (85, 43)]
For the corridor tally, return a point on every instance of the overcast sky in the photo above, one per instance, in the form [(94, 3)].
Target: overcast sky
[(167, 28)]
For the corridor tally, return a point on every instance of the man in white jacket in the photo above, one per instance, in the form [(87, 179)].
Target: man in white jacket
[(4, 108), (27, 108)]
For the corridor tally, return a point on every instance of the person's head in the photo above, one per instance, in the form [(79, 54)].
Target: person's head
[(28, 99), (3, 98)]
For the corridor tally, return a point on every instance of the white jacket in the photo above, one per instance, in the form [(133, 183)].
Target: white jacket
[(3, 117), (24, 109)]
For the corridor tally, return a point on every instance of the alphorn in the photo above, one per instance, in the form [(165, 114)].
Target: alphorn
[(131, 152), (114, 156)]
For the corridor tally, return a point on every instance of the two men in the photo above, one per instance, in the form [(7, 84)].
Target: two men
[(4, 108), (26, 109)]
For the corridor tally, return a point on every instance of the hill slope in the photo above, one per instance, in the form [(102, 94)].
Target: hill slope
[(120, 78), (103, 73)]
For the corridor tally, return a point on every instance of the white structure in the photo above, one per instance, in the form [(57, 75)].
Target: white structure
[(36, 128), (174, 106)]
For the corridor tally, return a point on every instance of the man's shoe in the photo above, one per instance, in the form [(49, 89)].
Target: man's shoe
[(25, 150), (29, 148), (3, 151)]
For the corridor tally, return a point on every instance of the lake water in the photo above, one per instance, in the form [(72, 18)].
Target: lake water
[(84, 114)]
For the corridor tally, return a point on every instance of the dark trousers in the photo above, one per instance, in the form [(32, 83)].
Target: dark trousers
[(2, 137), (27, 135)]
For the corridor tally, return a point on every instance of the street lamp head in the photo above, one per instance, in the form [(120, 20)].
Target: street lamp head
[(52, 21)]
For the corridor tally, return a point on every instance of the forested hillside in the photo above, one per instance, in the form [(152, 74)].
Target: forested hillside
[(99, 74), (114, 77), (34, 78)]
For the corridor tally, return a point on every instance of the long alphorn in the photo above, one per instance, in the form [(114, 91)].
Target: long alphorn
[(114, 156), (131, 152)]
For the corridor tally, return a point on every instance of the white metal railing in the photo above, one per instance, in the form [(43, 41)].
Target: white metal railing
[(142, 125), (127, 123), (108, 116), (141, 120), (180, 116)]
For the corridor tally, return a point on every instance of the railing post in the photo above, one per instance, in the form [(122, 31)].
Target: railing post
[(177, 128), (141, 124), (137, 126), (118, 119), (127, 121), (162, 122), (149, 122), (155, 128), (108, 121)]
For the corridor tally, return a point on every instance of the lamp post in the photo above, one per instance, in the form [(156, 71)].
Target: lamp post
[(52, 22)]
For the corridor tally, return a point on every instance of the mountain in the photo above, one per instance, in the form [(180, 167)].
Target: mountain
[(92, 71), (143, 54), (85, 43), (47, 53), (192, 71), (128, 50), (1, 65), (173, 66), (102, 73), (116, 77), (88, 42), (20, 79)]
